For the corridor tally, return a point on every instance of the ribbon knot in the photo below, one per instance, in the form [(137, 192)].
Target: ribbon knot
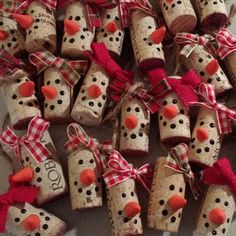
[(50, 4), (120, 170), (32, 140)]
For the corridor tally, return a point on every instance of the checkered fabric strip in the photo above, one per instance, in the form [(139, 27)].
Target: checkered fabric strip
[(126, 6), (31, 140), (224, 114), (191, 40), (121, 170), (8, 6), (44, 59), (226, 42), (23, 4)]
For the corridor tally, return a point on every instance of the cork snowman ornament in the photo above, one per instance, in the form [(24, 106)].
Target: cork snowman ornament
[(123, 205), (179, 15), (36, 153), (218, 205), (173, 115), (211, 125), (167, 198), (198, 53), (86, 162), (60, 77), (18, 91)]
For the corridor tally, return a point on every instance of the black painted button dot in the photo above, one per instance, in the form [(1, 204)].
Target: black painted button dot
[(14, 96), (132, 194), (82, 37), (111, 39), (142, 125), (94, 79), (140, 134), (149, 27), (158, 49), (164, 103), (209, 80), (119, 212), (173, 5), (200, 60), (144, 39), (150, 43), (226, 203), (215, 2), (117, 39), (41, 213), (217, 200), (105, 35), (59, 101), (27, 158), (37, 169), (45, 226), (117, 18), (37, 20), (223, 230), (72, 40), (119, 33), (14, 39), (164, 123), (218, 79), (128, 109), (125, 134), (85, 29), (212, 142), (30, 104), (123, 195), (137, 109), (47, 218), (173, 219), (199, 150), (214, 232), (164, 212), (9, 45), (12, 31), (161, 202), (173, 126), (96, 188), (99, 104), (37, 234), (207, 149), (80, 162), (52, 107), (103, 83), (88, 192), (83, 98), (108, 16), (212, 125), (36, 27), (1, 23), (206, 224), (204, 216), (202, 73), (193, 146), (77, 18), (48, 82), (39, 179), (91, 104), (91, 161), (126, 220), (181, 121), (80, 190), (75, 183), (135, 221), (17, 219), (180, 190), (23, 211), (133, 136), (57, 81), (172, 187), (179, 2), (202, 123), (104, 97)]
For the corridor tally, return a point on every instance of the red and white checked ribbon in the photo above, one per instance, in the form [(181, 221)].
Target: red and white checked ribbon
[(23, 4), (78, 137), (9, 6), (177, 160), (32, 140), (45, 59), (126, 6), (224, 114), (226, 42), (192, 40), (121, 170)]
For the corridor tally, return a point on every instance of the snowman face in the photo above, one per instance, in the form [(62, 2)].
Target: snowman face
[(45, 223)]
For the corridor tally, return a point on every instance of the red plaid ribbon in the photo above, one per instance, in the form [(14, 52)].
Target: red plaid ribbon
[(192, 40), (93, 9), (31, 140), (23, 4), (223, 113), (226, 42), (77, 137), (220, 173), (121, 170), (126, 6), (177, 160), (45, 59), (9, 6)]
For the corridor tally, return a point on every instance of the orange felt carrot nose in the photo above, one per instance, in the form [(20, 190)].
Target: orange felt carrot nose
[(87, 177), (170, 111), (177, 202), (3, 35), (131, 121), (212, 67), (217, 216), (158, 35), (111, 27), (202, 134), (31, 223), (49, 92), (24, 175), (26, 89), (25, 21), (94, 91), (71, 27), (132, 209)]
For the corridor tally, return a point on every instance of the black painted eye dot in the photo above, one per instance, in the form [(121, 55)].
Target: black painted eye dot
[(91, 161), (180, 190), (214, 232), (128, 109), (94, 79), (71, 17), (80, 190), (119, 212), (164, 123), (47, 218), (39, 179), (209, 56), (218, 79), (103, 83), (182, 111), (228, 220), (57, 81), (181, 121), (226, 203), (108, 16), (116, 18), (209, 80), (132, 194), (164, 212), (200, 60), (199, 150), (212, 142), (137, 109), (23, 211), (202, 73), (88, 192), (37, 234), (123, 195), (81, 162), (17, 219), (202, 123), (174, 101), (77, 18), (45, 226), (142, 125), (173, 219), (173, 126), (126, 220), (164, 103), (149, 27), (206, 224), (75, 183), (223, 230), (204, 216), (41, 213), (171, 187), (217, 200), (144, 39), (161, 202), (91, 104), (135, 221), (212, 125), (96, 188)]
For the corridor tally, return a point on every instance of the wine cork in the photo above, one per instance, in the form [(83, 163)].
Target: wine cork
[(167, 186), (134, 128), (174, 123), (90, 103), (21, 108), (217, 198), (112, 33), (42, 33), (85, 180), (213, 14), (206, 139), (229, 62), (44, 223), (75, 43), (208, 68), (13, 41), (121, 199), (57, 107), (179, 15), (148, 54)]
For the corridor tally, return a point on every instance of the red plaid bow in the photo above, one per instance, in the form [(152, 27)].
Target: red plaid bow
[(31, 140), (9, 6), (77, 137), (23, 4), (44, 59), (192, 40), (226, 42), (126, 6), (220, 173), (223, 113), (177, 160), (122, 170), (93, 9), (15, 194)]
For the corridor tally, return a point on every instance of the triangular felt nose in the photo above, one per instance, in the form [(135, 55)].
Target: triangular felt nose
[(31, 222), (158, 35), (25, 21), (217, 216), (24, 175), (87, 177), (177, 202), (26, 89), (3, 35), (132, 209), (49, 92), (71, 27), (202, 134), (111, 27), (212, 67)]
